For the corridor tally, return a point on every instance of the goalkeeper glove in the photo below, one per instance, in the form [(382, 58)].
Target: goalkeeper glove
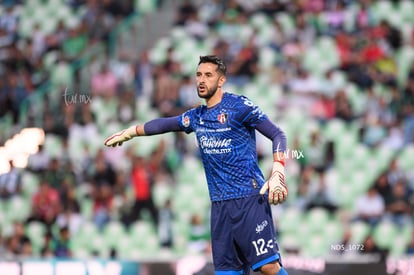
[(118, 138), (276, 184)]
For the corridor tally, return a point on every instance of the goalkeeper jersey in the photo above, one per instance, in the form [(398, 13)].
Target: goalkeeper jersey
[(226, 139)]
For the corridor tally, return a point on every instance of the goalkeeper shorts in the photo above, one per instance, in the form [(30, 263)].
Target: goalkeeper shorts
[(242, 234)]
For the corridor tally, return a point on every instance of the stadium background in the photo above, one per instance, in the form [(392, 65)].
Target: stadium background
[(337, 76)]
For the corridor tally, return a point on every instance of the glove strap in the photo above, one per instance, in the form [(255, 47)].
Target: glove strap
[(281, 161)]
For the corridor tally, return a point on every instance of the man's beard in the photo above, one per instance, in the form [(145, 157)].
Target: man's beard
[(210, 92)]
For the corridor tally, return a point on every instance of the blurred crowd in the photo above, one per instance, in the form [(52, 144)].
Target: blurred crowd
[(120, 183)]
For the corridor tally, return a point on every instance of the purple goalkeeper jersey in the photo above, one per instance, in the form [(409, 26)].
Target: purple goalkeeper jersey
[(227, 143)]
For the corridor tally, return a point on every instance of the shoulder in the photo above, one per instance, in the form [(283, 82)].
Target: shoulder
[(194, 111), (238, 99)]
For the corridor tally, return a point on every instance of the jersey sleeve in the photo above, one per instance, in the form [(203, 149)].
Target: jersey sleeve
[(250, 115), (186, 121)]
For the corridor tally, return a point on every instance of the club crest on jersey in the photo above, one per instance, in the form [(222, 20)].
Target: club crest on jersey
[(186, 121), (222, 118)]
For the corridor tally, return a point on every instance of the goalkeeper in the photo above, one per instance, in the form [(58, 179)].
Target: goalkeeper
[(242, 231)]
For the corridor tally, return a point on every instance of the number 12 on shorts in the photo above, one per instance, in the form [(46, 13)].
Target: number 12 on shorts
[(261, 246)]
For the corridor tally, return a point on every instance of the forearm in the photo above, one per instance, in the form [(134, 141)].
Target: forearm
[(274, 133), (159, 126)]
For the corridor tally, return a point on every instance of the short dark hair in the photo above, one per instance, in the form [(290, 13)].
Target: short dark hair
[(221, 66)]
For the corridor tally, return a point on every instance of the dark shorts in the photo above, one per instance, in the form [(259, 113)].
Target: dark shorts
[(243, 235)]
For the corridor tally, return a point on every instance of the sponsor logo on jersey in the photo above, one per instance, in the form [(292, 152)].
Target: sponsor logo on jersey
[(222, 118), (210, 142), (186, 121), (261, 227)]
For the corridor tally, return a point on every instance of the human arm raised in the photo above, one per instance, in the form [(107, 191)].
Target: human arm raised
[(152, 127)]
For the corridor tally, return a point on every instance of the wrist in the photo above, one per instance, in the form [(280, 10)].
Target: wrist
[(281, 161), (278, 165), (132, 131)]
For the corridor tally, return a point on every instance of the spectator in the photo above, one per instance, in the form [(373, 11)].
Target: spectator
[(101, 172), (45, 204), (61, 244), (11, 182), (407, 110), (39, 162), (372, 248), (46, 250), (395, 173), (398, 208), (410, 245), (370, 207), (343, 108), (127, 107), (102, 205), (165, 225), (104, 83), (71, 218), (54, 174), (165, 95), (19, 244), (187, 97), (199, 238), (323, 109), (142, 186), (143, 75), (315, 152), (321, 195), (70, 215), (382, 185)]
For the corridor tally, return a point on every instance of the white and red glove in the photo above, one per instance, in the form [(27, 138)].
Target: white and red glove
[(276, 185), (118, 138)]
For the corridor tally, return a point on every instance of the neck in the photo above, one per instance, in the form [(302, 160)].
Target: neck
[(215, 99)]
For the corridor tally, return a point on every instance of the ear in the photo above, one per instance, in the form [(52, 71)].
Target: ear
[(222, 80)]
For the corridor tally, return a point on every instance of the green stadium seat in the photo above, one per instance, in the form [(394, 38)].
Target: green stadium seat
[(384, 234), (36, 231), (348, 193), (86, 205), (288, 241), (139, 229), (80, 252), (405, 10), (381, 9), (62, 75), (317, 219), (53, 146), (112, 232), (162, 191), (291, 220), (98, 246), (287, 22), (333, 231), (267, 58), (334, 129), (398, 246), (316, 246), (86, 233), (259, 20), (403, 58), (18, 208), (145, 6), (144, 238), (406, 158), (359, 231), (30, 183)]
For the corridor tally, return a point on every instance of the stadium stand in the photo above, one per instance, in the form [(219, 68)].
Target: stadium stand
[(342, 70)]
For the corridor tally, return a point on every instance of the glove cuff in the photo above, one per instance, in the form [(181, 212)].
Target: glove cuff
[(278, 166), (132, 131)]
